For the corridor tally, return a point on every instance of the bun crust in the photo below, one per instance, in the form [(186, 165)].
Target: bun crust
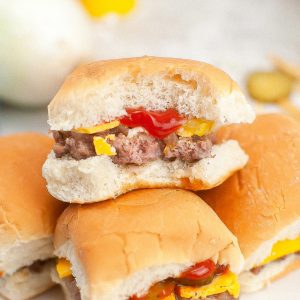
[(25, 284), (260, 203), (142, 237), (28, 213), (100, 92)]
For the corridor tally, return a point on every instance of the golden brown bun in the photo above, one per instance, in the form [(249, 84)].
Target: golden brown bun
[(100, 91), (260, 204), (28, 213), (26, 208), (109, 243)]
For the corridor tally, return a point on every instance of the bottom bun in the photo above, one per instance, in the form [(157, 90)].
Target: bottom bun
[(98, 178), (69, 294), (275, 270), (25, 283), (293, 266)]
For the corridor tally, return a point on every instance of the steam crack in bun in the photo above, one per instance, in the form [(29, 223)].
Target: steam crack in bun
[(260, 203), (120, 247), (28, 215), (102, 92)]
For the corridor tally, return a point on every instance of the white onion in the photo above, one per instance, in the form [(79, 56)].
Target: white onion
[(41, 41)]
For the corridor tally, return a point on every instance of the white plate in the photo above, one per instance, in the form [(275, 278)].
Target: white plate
[(287, 288)]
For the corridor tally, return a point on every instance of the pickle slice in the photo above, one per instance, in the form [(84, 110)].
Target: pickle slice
[(286, 67), (194, 282), (269, 86)]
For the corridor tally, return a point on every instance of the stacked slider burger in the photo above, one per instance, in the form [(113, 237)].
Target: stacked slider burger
[(146, 122), (130, 124), (28, 217), (260, 204), (132, 248)]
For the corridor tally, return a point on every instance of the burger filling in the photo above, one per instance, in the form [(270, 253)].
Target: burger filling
[(36, 267), (280, 251), (205, 280), (140, 137)]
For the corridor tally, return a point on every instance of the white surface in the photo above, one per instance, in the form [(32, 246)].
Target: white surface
[(287, 288)]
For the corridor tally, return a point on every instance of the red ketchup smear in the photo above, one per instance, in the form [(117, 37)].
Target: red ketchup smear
[(159, 124), (200, 270)]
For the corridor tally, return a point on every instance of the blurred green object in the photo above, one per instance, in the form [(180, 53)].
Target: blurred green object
[(41, 41)]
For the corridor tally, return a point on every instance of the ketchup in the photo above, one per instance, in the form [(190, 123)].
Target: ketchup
[(201, 273), (200, 270), (158, 291), (159, 124)]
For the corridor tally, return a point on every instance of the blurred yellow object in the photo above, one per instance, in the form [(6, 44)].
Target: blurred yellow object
[(98, 8), (269, 86)]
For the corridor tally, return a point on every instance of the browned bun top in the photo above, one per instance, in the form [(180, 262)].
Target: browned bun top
[(101, 91), (26, 208), (98, 72), (141, 229), (263, 198)]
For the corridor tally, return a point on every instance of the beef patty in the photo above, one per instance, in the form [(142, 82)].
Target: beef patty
[(137, 149)]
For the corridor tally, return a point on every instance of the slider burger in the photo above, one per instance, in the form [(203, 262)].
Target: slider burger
[(125, 124), (148, 244), (28, 216), (260, 204)]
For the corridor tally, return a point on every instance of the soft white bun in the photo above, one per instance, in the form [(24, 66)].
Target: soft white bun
[(28, 213), (23, 253), (98, 178), (101, 91), (120, 247), (260, 203), (253, 282), (25, 284), (62, 283)]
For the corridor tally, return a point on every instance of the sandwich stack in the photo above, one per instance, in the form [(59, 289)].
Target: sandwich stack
[(260, 203), (128, 134), (28, 215), (132, 139)]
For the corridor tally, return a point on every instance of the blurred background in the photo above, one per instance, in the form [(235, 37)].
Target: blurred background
[(41, 41)]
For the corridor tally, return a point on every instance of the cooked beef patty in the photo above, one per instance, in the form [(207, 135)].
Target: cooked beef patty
[(137, 149)]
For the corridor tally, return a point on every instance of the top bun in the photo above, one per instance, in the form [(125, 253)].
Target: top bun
[(27, 211), (99, 92), (260, 203), (121, 247)]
